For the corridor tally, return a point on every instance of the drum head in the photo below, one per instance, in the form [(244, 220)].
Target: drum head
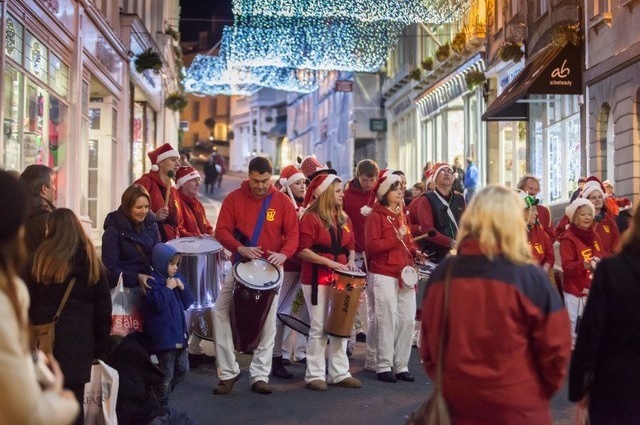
[(351, 273), (257, 273), (195, 245)]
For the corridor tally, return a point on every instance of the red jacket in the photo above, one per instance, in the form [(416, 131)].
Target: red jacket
[(573, 253), (544, 218), (195, 221), (169, 227), (239, 214), (509, 339), (313, 233), (541, 245), (412, 215), (385, 252), (354, 199), (609, 234)]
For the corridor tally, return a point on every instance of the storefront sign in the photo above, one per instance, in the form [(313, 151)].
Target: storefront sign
[(401, 106), (344, 85), (377, 124)]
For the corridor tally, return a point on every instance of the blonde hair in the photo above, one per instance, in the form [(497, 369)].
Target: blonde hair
[(325, 207), (494, 218), (65, 237)]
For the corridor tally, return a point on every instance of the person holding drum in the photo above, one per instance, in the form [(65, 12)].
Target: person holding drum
[(326, 243), (164, 198), (195, 223), (256, 221), (130, 233), (392, 279)]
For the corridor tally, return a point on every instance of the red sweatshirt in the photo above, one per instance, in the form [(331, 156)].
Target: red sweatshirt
[(606, 228), (169, 227), (314, 233), (573, 253), (541, 245), (386, 254), (195, 221), (412, 215), (239, 214), (354, 199)]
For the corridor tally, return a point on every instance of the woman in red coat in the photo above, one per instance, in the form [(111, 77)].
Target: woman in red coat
[(605, 222), (539, 240), (326, 243), (390, 250)]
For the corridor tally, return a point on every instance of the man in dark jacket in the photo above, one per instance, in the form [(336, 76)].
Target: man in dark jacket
[(38, 181)]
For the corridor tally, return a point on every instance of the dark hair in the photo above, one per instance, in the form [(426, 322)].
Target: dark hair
[(260, 165), (130, 196), (35, 176), (368, 167), (384, 200)]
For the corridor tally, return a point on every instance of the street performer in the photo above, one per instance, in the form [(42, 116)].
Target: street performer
[(239, 215), (164, 163), (195, 223)]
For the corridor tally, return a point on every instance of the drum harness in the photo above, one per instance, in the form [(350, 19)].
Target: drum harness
[(256, 230), (335, 249)]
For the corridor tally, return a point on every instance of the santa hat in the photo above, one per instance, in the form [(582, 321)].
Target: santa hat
[(311, 167), (573, 207), (592, 184), (186, 173), (527, 200), (289, 175), (439, 167), (319, 184), (386, 179), (428, 176), (160, 154), (608, 183)]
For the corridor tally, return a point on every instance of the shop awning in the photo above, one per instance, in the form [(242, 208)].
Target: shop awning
[(553, 70), (278, 130)]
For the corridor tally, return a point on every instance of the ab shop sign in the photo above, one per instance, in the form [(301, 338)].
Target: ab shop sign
[(563, 74)]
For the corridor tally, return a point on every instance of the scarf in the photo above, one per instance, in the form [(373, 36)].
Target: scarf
[(586, 236)]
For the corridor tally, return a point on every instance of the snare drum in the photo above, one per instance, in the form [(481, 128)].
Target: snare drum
[(255, 284), (202, 267), (292, 310), (424, 272), (344, 299)]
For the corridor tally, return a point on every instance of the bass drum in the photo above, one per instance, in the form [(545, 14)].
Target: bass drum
[(292, 310)]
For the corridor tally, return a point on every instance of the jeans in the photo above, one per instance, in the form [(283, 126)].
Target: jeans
[(175, 365)]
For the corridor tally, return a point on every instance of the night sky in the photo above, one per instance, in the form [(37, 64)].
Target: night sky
[(196, 16)]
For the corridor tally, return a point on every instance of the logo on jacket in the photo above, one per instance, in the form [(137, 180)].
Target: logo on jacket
[(606, 228), (586, 254), (271, 214), (538, 248), (345, 227)]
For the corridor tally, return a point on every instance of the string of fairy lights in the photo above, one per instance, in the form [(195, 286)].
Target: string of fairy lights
[(285, 44)]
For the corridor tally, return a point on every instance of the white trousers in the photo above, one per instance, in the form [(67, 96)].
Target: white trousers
[(317, 343), (575, 307), (394, 312), (225, 353)]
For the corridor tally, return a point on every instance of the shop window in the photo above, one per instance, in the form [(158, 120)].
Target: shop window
[(92, 194), (13, 41), (195, 110), (58, 75), (36, 57), (12, 81), (137, 151), (604, 137), (57, 130)]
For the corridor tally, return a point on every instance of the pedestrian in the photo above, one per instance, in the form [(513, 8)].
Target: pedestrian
[(507, 334), (605, 366), (219, 165), (24, 399), (67, 261), (38, 182), (470, 180), (164, 164), (578, 191), (195, 222), (530, 184), (390, 250), (130, 233), (580, 251), (539, 241), (210, 175), (439, 213), (458, 175), (239, 216), (165, 327), (326, 243), (293, 183), (610, 198)]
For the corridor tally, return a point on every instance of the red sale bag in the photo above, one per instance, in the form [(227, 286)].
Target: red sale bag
[(126, 316)]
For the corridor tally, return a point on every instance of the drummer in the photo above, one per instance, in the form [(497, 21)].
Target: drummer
[(326, 243), (390, 249), (195, 223), (277, 241), (292, 182)]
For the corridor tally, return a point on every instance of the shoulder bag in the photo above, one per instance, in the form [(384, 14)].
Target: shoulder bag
[(43, 336)]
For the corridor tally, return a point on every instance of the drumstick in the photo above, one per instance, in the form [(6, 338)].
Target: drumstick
[(170, 174), (429, 234)]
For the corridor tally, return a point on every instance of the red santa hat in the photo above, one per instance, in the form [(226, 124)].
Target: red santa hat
[(386, 179), (311, 167), (593, 184), (186, 173), (428, 176), (571, 209), (319, 184), (289, 175), (439, 167), (161, 153)]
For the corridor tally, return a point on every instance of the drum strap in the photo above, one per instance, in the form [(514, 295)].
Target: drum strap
[(336, 249), (262, 215)]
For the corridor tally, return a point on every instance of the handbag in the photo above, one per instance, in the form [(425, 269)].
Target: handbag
[(126, 316), (43, 336), (100, 395), (434, 411)]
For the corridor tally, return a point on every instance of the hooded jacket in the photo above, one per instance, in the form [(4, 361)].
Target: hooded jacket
[(354, 199), (239, 214), (169, 227), (195, 221), (163, 321), (573, 253)]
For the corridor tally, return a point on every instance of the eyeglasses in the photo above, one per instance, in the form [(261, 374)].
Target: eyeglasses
[(445, 171)]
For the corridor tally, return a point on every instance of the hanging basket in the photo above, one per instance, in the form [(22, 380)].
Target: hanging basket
[(443, 52), (176, 102), (459, 43), (427, 64), (415, 74), (566, 34), (510, 51), (475, 79), (148, 60)]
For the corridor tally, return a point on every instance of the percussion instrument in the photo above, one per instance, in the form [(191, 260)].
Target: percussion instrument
[(343, 302), (424, 272), (202, 266), (409, 276), (292, 309), (255, 284)]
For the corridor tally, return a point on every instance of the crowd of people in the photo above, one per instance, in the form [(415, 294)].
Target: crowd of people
[(509, 319)]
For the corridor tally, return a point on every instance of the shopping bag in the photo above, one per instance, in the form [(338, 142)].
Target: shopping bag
[(101, 395), (126, 316), (434, 411)]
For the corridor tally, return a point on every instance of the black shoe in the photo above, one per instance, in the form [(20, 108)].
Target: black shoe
[(404, 376), (302, 360), (361, 337), (386, 377), (278, 370)]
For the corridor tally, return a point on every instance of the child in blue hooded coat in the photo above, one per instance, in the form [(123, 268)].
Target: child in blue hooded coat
[(164, 321)]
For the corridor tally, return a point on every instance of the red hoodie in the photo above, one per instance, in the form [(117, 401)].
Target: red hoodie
[(169, 227), (195, 219), (239, 214), (541, 245), (354, 199), (574, 252)]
